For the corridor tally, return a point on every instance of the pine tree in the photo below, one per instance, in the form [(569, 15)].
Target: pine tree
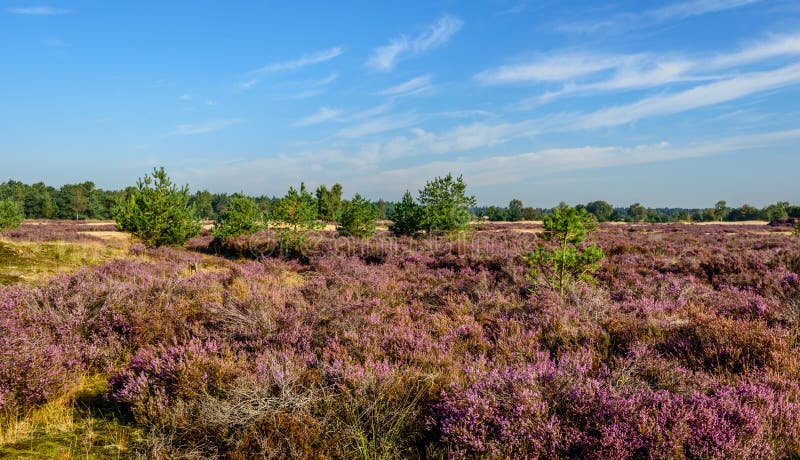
[(294, 216), (406, 217), (157, 212), (240, 218), (358, 218), (446, 207), (569, 261)]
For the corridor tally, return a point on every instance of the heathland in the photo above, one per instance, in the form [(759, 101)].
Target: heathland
[(384, 347)]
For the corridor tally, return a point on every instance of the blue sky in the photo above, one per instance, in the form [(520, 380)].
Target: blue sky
[(675, 103)]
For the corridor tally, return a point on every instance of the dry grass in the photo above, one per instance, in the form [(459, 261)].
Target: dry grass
[(292, 279), (108, 235), (206, 264), (75, 425), (34, 261)]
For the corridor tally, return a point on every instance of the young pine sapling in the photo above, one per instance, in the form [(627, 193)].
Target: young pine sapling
[(569, 260)]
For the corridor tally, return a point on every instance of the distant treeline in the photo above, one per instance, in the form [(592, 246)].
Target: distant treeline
[(605, 212), (86, 201)]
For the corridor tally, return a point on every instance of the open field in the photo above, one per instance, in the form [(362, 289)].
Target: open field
[(399, 348)]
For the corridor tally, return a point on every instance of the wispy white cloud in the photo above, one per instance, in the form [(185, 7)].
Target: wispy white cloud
[(466, 114), (417, 142), (205, 127), (385, 57), (322, 115), (775, 46), (185, 97), (369, 113), (586, 72), (516, 8), (421, 142), (687, 9), (326, 80), (39, 10), (378, 125), (305, 93), (697, 97), (304, 89), (305, 61), (556, 67), (506, 169), (649, 18), (411, 87), (252, 78), (637, 73)]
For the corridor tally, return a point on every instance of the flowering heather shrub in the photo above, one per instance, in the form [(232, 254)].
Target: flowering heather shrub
[(544, 410), (58, 230), (503, 413), (39, 354), (686, 348), (159, 376)]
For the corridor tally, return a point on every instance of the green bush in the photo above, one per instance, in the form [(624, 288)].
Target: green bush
[(157, 212), (358, 218), (293, 217), (406, 217), (10, 215), (569, 261), (445, 205), (241, 217)]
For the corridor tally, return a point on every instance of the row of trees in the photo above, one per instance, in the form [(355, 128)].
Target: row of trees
[(160, 213), (514, 212), (720, 212), (86, 201), (71, 201), (441, 206)]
